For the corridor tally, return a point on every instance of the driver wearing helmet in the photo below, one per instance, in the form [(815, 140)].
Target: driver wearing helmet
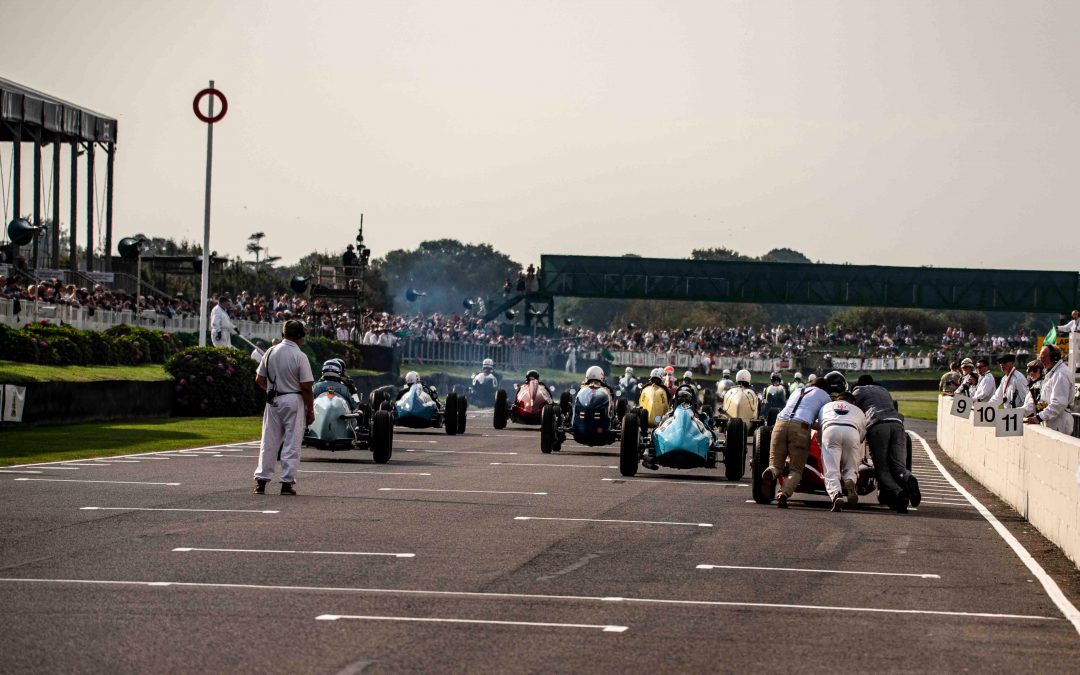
[(532, 374), (333, 378), (775, 396), (791, 435), (595, 375), (796, 384), (486, 376), (627, 384), (741, 401), (412, 377), (669, 379)]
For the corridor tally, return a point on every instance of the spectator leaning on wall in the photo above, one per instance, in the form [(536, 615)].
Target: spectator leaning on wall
[(1056, 394)]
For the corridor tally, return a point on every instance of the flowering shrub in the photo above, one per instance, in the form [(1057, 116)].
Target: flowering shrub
[(50, 344), (214, 382)]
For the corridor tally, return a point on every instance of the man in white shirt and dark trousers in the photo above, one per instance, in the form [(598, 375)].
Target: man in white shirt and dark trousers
[(1072, 326), (985, 389), (843, 427), (1012, 389), (285, 375)]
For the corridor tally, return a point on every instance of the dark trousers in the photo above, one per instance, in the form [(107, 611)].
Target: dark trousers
[(888, 448)]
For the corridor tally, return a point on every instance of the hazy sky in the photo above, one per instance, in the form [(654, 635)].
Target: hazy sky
[(942, 132)]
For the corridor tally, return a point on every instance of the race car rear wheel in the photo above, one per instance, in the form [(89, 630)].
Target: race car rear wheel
[(735, 452), (758, 464), (907, 463), (382, 437), (462, 408), (502, 411), (620, 409), (629, 454), (548, 432), (450, 417)]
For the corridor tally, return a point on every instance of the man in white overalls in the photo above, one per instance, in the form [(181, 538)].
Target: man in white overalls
[(285, 375)]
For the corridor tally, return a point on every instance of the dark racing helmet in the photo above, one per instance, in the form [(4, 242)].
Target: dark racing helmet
[(532, 375), (684, 395), (775, 378), (835, 382)]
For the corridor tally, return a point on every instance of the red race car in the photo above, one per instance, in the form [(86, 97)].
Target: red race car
[(530, 397), (813, 478)]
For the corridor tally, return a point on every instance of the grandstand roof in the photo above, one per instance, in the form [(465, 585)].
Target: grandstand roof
[(52, 118)]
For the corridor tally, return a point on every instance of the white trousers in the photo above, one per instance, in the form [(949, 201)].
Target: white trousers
[(283, 427), (221, 338), (840, 446)]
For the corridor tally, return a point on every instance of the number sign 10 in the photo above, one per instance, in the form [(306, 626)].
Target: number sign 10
[(985, 414)]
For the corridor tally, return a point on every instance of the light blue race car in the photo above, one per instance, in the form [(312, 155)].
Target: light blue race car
[(684, 439)]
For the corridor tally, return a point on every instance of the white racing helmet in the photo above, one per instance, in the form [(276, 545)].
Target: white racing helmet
[(412, 377), (727, 373), (657, 372), (488, 363), (743, 376), (594, 373), (629, 370), (797, 376), (688, 375)]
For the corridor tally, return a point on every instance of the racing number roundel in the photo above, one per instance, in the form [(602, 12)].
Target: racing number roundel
[(210, 91)]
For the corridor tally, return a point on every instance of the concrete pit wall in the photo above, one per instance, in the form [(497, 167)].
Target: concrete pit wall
[(1034, 473)]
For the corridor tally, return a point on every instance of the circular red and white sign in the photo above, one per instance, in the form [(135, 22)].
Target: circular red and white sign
[(210, 91)]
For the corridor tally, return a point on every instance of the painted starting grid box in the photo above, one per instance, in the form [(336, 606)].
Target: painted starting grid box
[(12, 401), (1005, 421)]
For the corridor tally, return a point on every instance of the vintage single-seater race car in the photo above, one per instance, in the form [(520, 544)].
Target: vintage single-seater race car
[(530, 397), (589, 416), (419, 408), (341, 426), (813, 478), (684, 438)]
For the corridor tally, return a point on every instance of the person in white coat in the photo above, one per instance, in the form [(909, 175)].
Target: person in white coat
[(1012, 389), (1055, 395), (985, 389), (1072, 326), (221, 326), (843, 428)]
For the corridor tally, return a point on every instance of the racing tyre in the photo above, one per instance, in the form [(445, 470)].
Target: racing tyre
[(501, 412), (762, 441), (907, 462), (386, 405), (462, 408), (620, 409), (382, 437), (450, 416), (735, 452), (548, 433), (566, 401), (628, 446), (770, 419)]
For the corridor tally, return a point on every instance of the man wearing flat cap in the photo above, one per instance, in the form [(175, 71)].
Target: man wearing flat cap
[(1011, 391), (985, 389)]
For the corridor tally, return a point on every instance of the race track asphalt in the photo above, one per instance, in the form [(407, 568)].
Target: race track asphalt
[(587, 571)]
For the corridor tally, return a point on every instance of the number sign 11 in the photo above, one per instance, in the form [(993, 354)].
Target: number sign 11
[(1009, 422)]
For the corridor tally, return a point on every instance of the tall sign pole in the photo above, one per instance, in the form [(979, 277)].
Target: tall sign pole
[(209, 119)]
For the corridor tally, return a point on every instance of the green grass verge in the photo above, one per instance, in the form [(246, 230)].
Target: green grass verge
[(103, 439), (12, 372), (920, 405)]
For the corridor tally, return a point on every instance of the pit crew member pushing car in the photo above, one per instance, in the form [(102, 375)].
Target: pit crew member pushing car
[(741, 401), (888, 446), (285, 375), (843, 427), (791, 435)]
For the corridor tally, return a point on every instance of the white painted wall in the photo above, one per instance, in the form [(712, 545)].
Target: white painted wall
[(1034, 473)]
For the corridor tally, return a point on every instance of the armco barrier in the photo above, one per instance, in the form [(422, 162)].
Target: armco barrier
[(1035, 473)]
